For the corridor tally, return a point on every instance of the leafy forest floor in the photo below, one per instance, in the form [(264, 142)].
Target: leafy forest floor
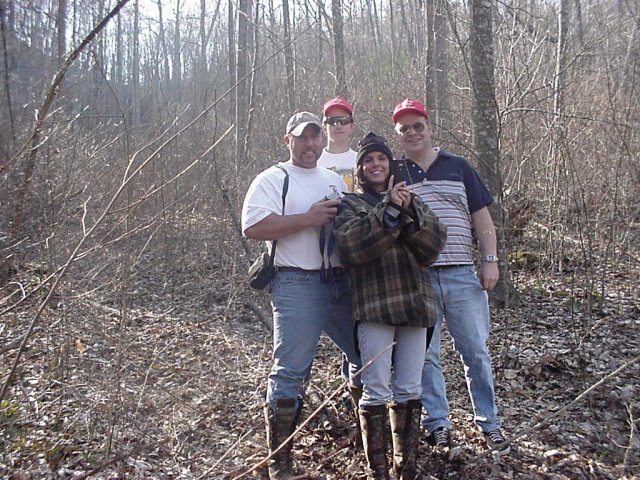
[(173, 387)]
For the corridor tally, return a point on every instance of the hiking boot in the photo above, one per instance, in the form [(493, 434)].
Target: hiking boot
[(440, 437), (496, 441)]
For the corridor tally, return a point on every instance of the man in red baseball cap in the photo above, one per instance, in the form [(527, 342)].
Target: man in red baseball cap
[(338, 123), (455, 192)]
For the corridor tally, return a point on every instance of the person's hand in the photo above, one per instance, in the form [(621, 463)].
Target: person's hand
[(322, 212), (489, 275), (400, 194)]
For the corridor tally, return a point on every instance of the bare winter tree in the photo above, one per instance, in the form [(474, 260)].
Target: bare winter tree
[(8, 104), (165, 69), (338, 49), (61, 21), (288, 56), (176, 67), (242, 103), (438, 67), (485, 123)]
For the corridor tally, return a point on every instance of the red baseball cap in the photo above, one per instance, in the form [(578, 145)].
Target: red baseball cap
[(409, 106), (337, 102)]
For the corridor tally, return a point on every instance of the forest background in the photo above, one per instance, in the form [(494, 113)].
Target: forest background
[(129, 132)]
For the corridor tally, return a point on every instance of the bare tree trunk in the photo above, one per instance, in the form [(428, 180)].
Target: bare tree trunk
[(177, 60), (61, 20), (578, 21), (338, 49), (204, 40), (320, 6), (119, 57), (135, 67), (406, 28), (288, 56), (252, 83), (242, 106), (630, 59), (430, 71), (394, 41), (166, 75), (372, 20), (6, 31), (484, 117), (441, 70), (232, 56), (561, 63)]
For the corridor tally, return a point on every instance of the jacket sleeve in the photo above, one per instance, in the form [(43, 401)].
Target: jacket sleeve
[(359, 230), (425, 236)]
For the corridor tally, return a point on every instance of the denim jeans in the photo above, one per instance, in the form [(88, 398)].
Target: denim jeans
[(380, 386), (462, 302), (303, 308)]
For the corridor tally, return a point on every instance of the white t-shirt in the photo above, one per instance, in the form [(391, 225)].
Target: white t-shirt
[(306, 186), (344, 164)]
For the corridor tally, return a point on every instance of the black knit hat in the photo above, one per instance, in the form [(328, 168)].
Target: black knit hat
[(373, 143)]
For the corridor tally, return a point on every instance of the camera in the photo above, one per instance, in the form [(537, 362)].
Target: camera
[(335, 194), (400, 172)]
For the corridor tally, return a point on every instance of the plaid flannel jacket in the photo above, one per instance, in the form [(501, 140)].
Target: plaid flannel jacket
[(387, 266)]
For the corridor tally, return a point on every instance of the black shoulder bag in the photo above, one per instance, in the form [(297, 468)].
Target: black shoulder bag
[(262, 272)]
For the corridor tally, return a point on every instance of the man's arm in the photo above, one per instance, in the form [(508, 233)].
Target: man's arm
[(276, 226), (486, 235)]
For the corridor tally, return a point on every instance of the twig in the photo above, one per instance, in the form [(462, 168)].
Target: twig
[(626, 467), (561, 411), (259, 311), (110, 462), (11, 345), (312, 416), (231, 448)]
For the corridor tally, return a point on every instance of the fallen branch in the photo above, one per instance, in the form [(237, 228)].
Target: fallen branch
[(264, 318), (626, 464), (312, 416), (113, 460), (561, 411), (13, 344)]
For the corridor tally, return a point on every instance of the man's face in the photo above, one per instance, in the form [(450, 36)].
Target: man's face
[(414, 133), (338, 124), (306, 149)]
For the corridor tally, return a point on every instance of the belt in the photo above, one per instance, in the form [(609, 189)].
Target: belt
[(444, 267), (334, 270)]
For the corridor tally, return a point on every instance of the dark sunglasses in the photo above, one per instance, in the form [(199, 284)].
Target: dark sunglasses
[(417, 127), (338, 120)]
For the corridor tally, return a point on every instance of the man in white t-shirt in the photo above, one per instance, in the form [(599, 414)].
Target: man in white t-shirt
[(306, 297), (339, 125)]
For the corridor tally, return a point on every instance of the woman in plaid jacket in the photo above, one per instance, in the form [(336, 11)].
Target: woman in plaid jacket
[(387, 237)]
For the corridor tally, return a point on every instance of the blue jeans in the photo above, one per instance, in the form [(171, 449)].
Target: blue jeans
[(380, 385), (463, 303), (303, 308)]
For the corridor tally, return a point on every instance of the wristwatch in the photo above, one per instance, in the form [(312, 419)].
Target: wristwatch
[(490, 259)]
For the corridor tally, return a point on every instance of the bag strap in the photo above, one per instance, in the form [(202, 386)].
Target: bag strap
[(326, 272), (285, 189)]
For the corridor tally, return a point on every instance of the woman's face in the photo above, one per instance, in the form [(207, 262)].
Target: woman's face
[(375, 170)]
